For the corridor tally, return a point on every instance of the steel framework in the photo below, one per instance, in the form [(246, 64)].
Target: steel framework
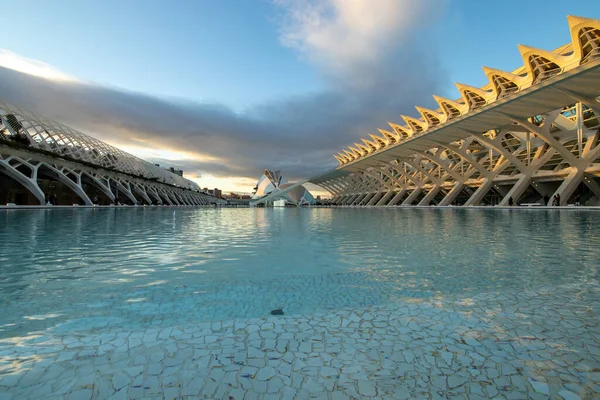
[(30, 143)]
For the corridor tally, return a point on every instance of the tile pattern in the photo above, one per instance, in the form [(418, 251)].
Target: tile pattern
[(538, 343)]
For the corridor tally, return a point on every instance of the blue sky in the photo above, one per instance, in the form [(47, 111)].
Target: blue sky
[(223, 51), (248, 84)]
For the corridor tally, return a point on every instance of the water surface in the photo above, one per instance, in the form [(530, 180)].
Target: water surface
[(138, 267)]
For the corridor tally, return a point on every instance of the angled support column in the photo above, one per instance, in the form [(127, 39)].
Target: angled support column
[(575, 177), (412, 197), (60, 175), (383, 201), (430, 196), (327, 186), (363, 185), (124, 188), (367, 190), (379, 193), (353, 183), (376, 198), (397, 197), (437, 183), (578, 164), (418, 186), (101, 185), (507, 157), (142, 193), (166, 196), (30, 183), (174, 200), (458, 179), (386, 197), (154, 194), (526, 178), (451, 195), (448, 172)]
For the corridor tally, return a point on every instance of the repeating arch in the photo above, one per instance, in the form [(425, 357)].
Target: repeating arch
[(415, 125), (392, 137), (52, 172), (541, 64), (452, 109), (474, 97), (504, 83), (402, 132), (538, 66), (381, 143), (433, 118), (585, 36), (28, 182)]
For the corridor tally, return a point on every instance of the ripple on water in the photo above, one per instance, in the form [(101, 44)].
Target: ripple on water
[(150, 265)]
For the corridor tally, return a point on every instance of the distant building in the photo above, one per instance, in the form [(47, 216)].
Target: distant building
[(271, 183), (237, 196), (217, 193), (58, 154)]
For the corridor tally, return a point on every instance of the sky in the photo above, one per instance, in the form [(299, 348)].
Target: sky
[(225, 89)]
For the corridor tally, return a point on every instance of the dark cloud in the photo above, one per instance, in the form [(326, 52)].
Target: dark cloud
[(298, 134)]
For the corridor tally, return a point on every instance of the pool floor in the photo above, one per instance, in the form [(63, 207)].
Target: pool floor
[(395, 304), (514, 345)]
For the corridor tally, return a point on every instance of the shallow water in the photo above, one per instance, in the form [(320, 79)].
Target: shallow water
[(79, 269), (402, 303)]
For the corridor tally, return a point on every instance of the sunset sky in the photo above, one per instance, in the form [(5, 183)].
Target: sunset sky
[(225, 89)]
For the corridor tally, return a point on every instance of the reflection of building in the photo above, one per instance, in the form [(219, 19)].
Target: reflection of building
[(526, 136), (43, 161), (276, 186)]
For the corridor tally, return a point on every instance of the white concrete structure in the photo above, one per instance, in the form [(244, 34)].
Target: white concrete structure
[(273, 187), (32, 146), (527, 136)]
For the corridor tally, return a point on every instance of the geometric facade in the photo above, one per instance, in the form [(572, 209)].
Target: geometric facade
[(32, 147), (526, 136)]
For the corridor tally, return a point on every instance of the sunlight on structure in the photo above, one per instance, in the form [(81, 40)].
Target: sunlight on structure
[(539, 65)]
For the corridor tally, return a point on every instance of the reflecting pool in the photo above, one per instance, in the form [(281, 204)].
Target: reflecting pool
[(90, 290)]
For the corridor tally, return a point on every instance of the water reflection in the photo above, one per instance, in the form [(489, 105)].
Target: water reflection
[(233, 262)]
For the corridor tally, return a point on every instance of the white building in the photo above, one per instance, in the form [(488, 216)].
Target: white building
[(276, 187), (527, 136), (39, 156)]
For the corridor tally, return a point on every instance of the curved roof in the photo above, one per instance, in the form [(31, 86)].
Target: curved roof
[(538, 66), (45, 134), (274, 184)]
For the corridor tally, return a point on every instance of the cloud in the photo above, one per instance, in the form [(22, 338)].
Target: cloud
[(348, 39), (376, 67), (16, 62)]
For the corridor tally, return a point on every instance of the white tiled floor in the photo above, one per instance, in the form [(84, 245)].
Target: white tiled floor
[(542, 343)]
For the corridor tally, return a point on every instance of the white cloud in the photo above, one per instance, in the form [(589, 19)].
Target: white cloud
[(16, 62), (365, 48), (349, 39)]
